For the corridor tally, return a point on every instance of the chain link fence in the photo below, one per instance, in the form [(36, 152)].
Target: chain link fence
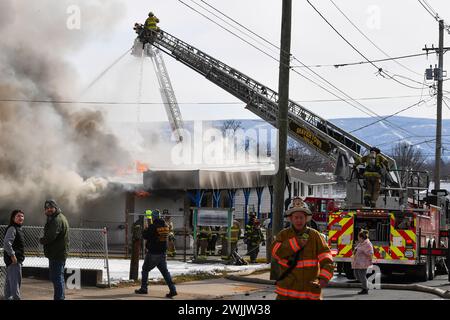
[(88, 250)]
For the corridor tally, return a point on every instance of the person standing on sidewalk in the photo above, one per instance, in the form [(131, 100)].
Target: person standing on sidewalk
[(305, 260), (156, 235), (14, 255), (56, 246), (362, 259)]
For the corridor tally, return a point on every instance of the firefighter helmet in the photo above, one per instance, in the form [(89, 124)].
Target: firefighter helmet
[(304, 210)]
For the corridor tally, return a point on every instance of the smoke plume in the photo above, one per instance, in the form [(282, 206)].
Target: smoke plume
[(50, 149)]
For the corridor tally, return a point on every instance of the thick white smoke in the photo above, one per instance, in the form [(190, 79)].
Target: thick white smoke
[(48, 149)]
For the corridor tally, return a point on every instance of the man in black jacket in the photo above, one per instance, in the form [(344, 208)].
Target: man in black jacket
[(13, 255), (156, 235), (56, 246)]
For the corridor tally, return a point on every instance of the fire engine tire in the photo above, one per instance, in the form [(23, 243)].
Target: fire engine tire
[(349, 271), (422, 272)]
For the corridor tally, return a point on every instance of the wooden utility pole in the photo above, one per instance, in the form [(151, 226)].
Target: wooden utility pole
[(282, 124), (439, 77), (437, 169)]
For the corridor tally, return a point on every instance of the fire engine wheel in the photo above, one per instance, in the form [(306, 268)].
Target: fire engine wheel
[(422, 272)]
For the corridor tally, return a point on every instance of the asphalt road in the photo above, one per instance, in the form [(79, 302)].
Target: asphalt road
[(440, 281)]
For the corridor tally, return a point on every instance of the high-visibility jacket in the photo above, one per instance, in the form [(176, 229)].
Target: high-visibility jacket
[(204, 233), (253, 235), (151, 22), (373, 165), (315, 262), (235, 231)]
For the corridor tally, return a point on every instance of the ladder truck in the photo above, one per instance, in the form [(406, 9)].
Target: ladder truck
[(165, 86), (408, 232)]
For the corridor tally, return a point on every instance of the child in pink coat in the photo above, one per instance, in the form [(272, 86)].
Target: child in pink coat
[(362, 259)]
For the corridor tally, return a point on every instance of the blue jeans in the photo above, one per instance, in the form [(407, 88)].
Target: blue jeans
[(13, 281), (156, 260), (56, 270)]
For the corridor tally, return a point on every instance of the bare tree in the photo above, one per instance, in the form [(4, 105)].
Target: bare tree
[(231, 124), (408, 157), (302, 158)]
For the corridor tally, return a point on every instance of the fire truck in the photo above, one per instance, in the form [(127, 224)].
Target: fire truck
[(408, 230), (406, 226), (320, 207)]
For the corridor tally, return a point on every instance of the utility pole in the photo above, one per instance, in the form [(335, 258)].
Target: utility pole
[(282, 124), (437, 169), (439, 77)]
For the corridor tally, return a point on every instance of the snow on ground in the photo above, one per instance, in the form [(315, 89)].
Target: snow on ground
[(120, 269)]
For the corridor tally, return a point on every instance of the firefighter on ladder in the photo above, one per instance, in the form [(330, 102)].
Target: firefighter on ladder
[(151, 26), (374, 164), (305, 260)]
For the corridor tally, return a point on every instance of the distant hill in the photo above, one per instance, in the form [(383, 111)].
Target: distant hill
[(386, 135), (416, 131)]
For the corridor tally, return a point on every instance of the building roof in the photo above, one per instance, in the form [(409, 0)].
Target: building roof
[(225, 178)]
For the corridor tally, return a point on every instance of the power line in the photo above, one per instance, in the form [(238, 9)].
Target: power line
[(380, 70), (368, 39), (427, 7), (262, 51), (318, 75), (364, 62), (389, 116)]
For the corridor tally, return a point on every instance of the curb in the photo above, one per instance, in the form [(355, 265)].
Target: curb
[(413, 287)]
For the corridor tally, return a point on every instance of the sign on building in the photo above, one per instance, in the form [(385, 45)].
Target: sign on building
[(212, 217)]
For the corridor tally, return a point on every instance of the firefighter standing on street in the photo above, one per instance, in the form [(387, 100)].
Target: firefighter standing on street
[(374, 164), (171, 251), (203, 236), (305, 260), (235, 236), (253, 238)]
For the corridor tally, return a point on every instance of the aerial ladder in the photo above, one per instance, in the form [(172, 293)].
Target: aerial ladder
[(165, 86), (403, 233), (304, 126)]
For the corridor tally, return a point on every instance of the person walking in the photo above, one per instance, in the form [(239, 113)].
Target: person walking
[(304, 259), (362, 259), (14, 255), (56, 246), (156, 235)]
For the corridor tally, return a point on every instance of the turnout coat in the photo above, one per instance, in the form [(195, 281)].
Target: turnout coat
[(314, 262)]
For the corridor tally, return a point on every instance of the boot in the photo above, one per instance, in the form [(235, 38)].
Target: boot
[(171, 294), (140, 291), (364, 291)]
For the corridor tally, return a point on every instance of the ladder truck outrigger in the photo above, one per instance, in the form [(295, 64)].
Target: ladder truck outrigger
[(407, 227)]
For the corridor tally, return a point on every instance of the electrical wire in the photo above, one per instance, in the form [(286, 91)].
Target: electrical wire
[(323, 79), (368, 39), (364, 62), (382, 72)]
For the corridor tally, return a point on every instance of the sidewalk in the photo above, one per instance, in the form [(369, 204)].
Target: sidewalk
[(211, 289)]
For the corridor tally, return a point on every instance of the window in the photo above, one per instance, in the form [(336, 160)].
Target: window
[(302, 189), (310, 190), (325, 190), (295, 189)]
